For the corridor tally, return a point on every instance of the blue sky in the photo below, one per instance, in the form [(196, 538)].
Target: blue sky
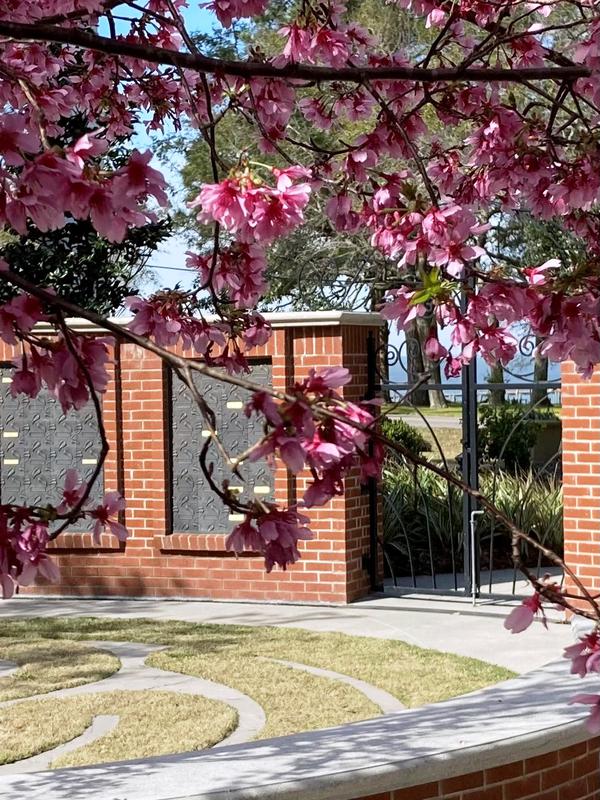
[(171, 254)]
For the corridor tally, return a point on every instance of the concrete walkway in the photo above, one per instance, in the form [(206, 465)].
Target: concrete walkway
[(7, 668), (451, 626), (135, 675)]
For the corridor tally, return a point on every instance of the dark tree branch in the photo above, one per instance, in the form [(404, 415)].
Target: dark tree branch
[(205, 64)]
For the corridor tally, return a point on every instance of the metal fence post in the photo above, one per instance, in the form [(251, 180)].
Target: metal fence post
[(372, 389), (470, 470)]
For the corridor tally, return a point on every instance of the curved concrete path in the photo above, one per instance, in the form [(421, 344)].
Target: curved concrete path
[(135, 675), (386, 701), (101, 725), (7, 668)]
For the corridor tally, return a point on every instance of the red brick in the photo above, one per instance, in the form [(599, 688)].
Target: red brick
[(575, 750), (574, 790), (504, 772), (586, 765), (460, 782), (522, 787), (489, 793), (198, 567), (551, 794), (422, 792), (557, 775), (540, 762)]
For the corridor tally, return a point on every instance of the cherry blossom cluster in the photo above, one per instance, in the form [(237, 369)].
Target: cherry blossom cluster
[(318, 431), (239, 272), (167, 319), (425, 200), (52, 185), (252, 211), (69, 367), (25, 532), (272, 532), (568, 322)]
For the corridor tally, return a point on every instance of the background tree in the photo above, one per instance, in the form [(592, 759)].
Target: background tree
[(82, 266), (79, 263)]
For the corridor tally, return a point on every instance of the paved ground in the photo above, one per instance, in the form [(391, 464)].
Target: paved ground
[(452, 626), (504, 582)]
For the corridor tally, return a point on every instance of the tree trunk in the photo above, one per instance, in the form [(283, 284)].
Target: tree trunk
[(497, 396), (540, 373), (436, 396)]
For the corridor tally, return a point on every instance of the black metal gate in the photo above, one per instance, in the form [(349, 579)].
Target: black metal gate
[(434, 537)]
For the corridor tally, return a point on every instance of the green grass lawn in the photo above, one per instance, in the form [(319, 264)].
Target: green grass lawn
[(453, 410), (293, 701), (44, 666), (449, 440)]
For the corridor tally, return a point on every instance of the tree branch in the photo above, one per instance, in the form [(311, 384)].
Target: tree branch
[(205, 64)]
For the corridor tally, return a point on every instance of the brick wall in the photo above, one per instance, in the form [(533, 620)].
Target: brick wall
[(581, 474), (572, 773), (158, 562)]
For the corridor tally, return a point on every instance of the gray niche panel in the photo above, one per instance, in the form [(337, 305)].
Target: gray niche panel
[(38, 444), (195, 508)]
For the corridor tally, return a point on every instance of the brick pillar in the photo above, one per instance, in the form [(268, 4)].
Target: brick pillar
[(581, 474), (342, 528)]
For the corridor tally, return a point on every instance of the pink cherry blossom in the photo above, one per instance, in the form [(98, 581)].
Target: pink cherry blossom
[(30, 545), (155, 318), (25, 380), (275, 534), (320, 381), (434, 349), (585, 654), (537, 275), (15, 140), (19, 315), (298, 46), (88, 146), (252, 212), (228, 10), (401, 308), (339, 210), (73, 490), (105, 514), (137, 178), (521, 617), (263, 403), (593, 721), (70, 381)]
